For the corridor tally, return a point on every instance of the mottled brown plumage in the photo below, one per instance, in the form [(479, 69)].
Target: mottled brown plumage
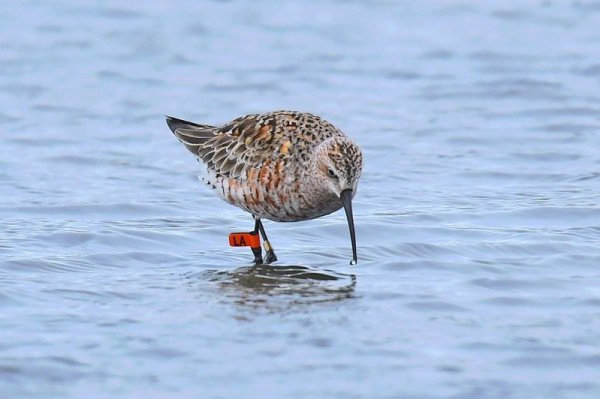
[(284, 166)]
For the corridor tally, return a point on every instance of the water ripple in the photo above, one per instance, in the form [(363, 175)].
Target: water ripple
[(277, 287)]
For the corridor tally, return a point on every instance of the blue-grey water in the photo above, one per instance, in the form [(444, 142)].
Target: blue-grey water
[(477, 214)]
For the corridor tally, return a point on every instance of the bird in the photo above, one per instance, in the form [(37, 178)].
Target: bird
[(284, 166)]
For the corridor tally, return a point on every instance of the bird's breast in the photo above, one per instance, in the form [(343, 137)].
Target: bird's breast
[(272, 192)]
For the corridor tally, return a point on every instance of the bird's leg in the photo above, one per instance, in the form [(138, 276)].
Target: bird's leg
[(257, 251), (270, 256)]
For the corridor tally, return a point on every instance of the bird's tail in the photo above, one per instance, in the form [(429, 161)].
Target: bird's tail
[(191, 134)]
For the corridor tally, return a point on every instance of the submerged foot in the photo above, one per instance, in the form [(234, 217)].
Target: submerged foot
[(258, 260), (270, 257)]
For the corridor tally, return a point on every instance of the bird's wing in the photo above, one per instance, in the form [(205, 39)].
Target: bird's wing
[(230, 150), (252, 140)]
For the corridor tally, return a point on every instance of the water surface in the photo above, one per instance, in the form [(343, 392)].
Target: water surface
[(477, 213)]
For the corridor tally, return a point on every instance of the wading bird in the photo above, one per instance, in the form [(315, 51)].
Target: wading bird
[(284, 166)]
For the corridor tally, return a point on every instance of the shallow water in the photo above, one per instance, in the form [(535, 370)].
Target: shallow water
[(477, 215)]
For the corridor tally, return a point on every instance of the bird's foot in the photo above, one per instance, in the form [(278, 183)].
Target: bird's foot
[(258, 259), (270, 254), (270, 257)]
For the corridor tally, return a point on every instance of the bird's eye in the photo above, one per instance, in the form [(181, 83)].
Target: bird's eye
[(332, 174)]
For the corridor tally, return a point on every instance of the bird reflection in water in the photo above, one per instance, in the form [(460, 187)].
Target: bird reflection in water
[(270, 287)]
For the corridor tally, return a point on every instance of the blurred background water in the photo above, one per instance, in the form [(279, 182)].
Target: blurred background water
[(477, 213)]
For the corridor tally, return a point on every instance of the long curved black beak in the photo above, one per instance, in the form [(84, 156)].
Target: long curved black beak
[(346, 197)]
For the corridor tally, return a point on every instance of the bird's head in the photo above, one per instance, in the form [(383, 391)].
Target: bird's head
[(339, 165)]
